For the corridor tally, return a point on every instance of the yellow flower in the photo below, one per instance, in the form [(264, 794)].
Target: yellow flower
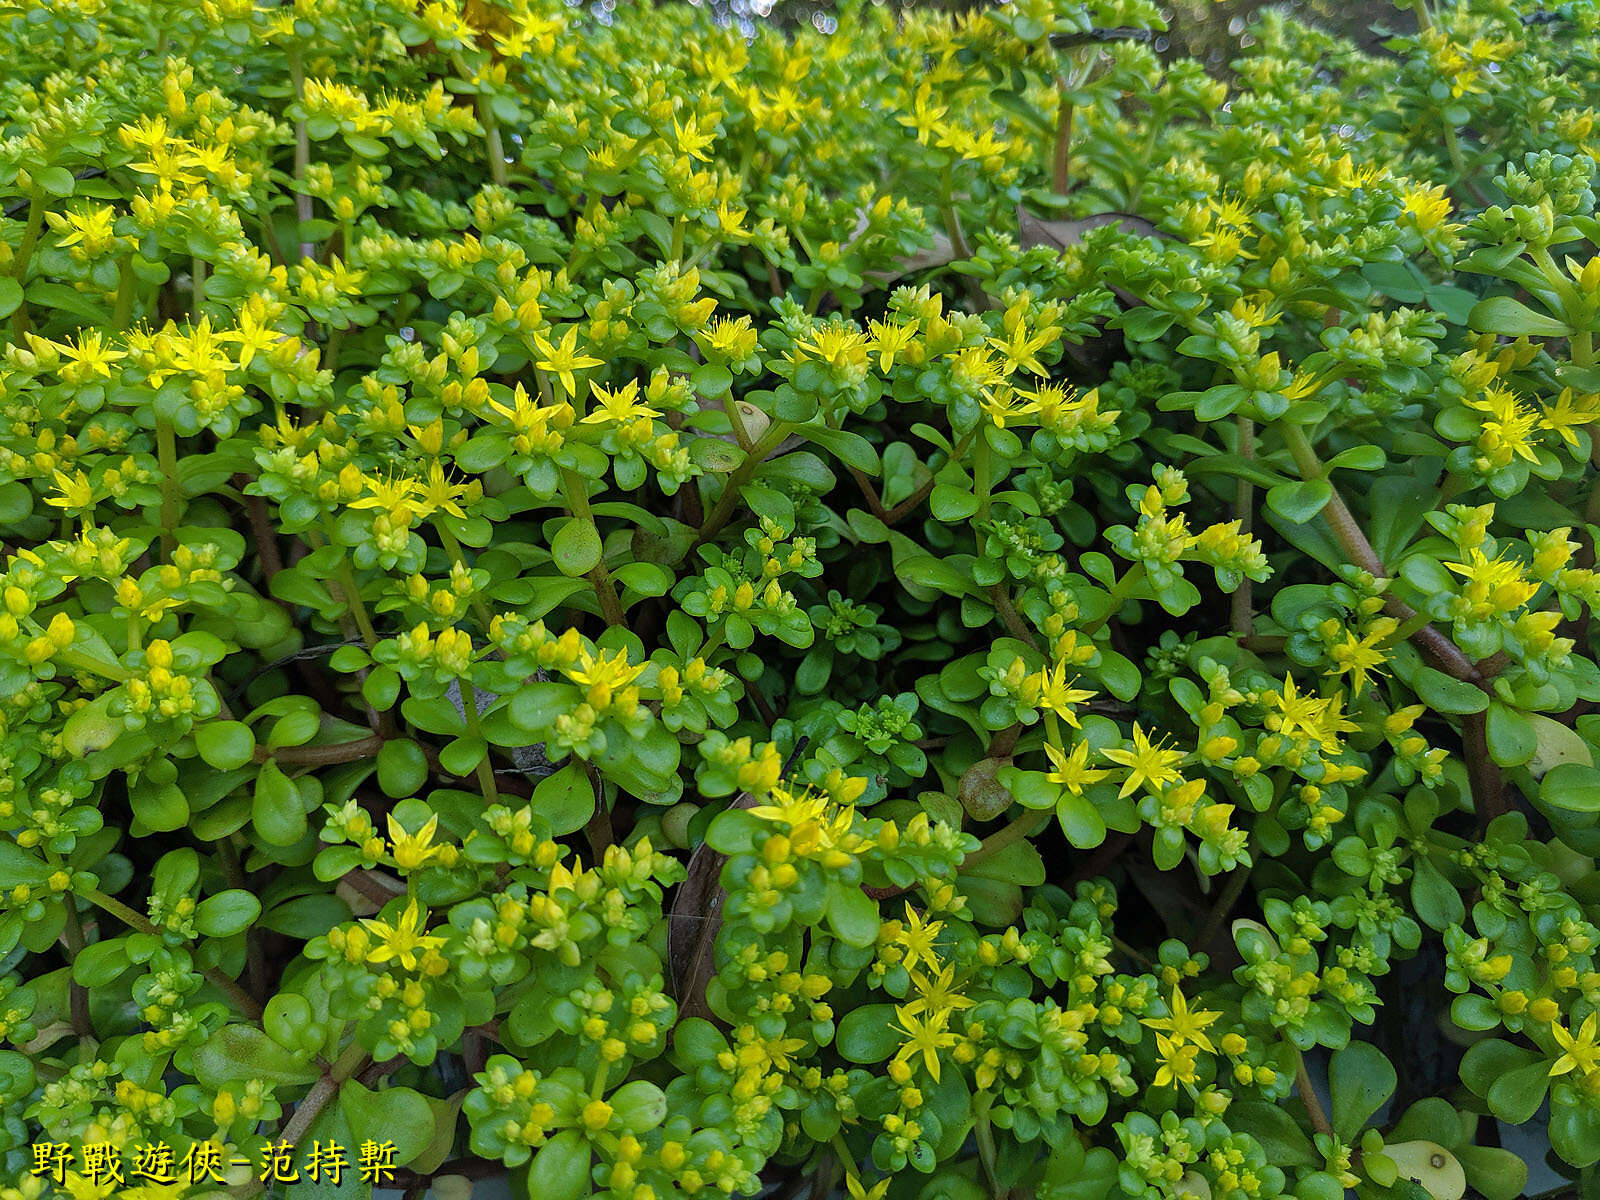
[(859, 1191), (1072, 771), (404, 940), (691, 140), (76, 491), (603, 675), (1581, 1053), (252, 335), (563, 359), (1427, 205), (388, 495), (915, 940), (413, 850), (439, 494), (925, 1036), (619, 406), (1186, 1026), (1149, 764), (1057, 695), (938, 994), (1177, 1061), (91, 356), (889, 339)]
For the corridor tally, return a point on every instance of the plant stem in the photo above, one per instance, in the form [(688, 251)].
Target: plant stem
[(577, 495), (19, 265), (1061, 151), (122, 311), (452, 547), (984, 1133), (255, 957), (484, 768), (494, 147), (230, 988), (982, 484), (1242, 610), (1024, 825), (1120, 593), (78, 1001), (729, 499), (197, 275), (302, 151), (357, 606), (1308, 1096), (1223, 908), (167, 454), (1488, 784)]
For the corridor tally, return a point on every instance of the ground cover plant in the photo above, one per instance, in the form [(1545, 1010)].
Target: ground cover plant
[(942, 609)]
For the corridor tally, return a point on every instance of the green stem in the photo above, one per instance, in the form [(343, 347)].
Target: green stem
[(122, 311), (981, 482), (1120, 593), (480, 607), (230, 988), (19, 265), (1061, 151), (726, 502), (357, 606), (1024, 825), (494, 147), (484, 768), (1308, 1096), (984, 1133), (302, 151), (577, 497), (1242, 605), (78, 1002), (197, 273), (255, 956), (1224, 906), (167, 455)]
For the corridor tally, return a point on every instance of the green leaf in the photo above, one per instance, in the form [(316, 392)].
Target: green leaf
[(1080, 821), (1300, 502), (98, 963), (1572, 786), (852, 914), (1504, 314), (1556, 744), (402, 768), (1284, 1141), (1442, 693), (565, 799), (952, 504), (56, 181), (226, 913), (236, 1053), (225, 745), (277, 811), (1488, 1060), (10, 296), (639, 1105), (392, 1114), (1360, 1079), (1511, 737), (867, 1034), (1493, 1173), (576, 547), (560, 1171), (849, 448), (1515, 1096), (18, 866)]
